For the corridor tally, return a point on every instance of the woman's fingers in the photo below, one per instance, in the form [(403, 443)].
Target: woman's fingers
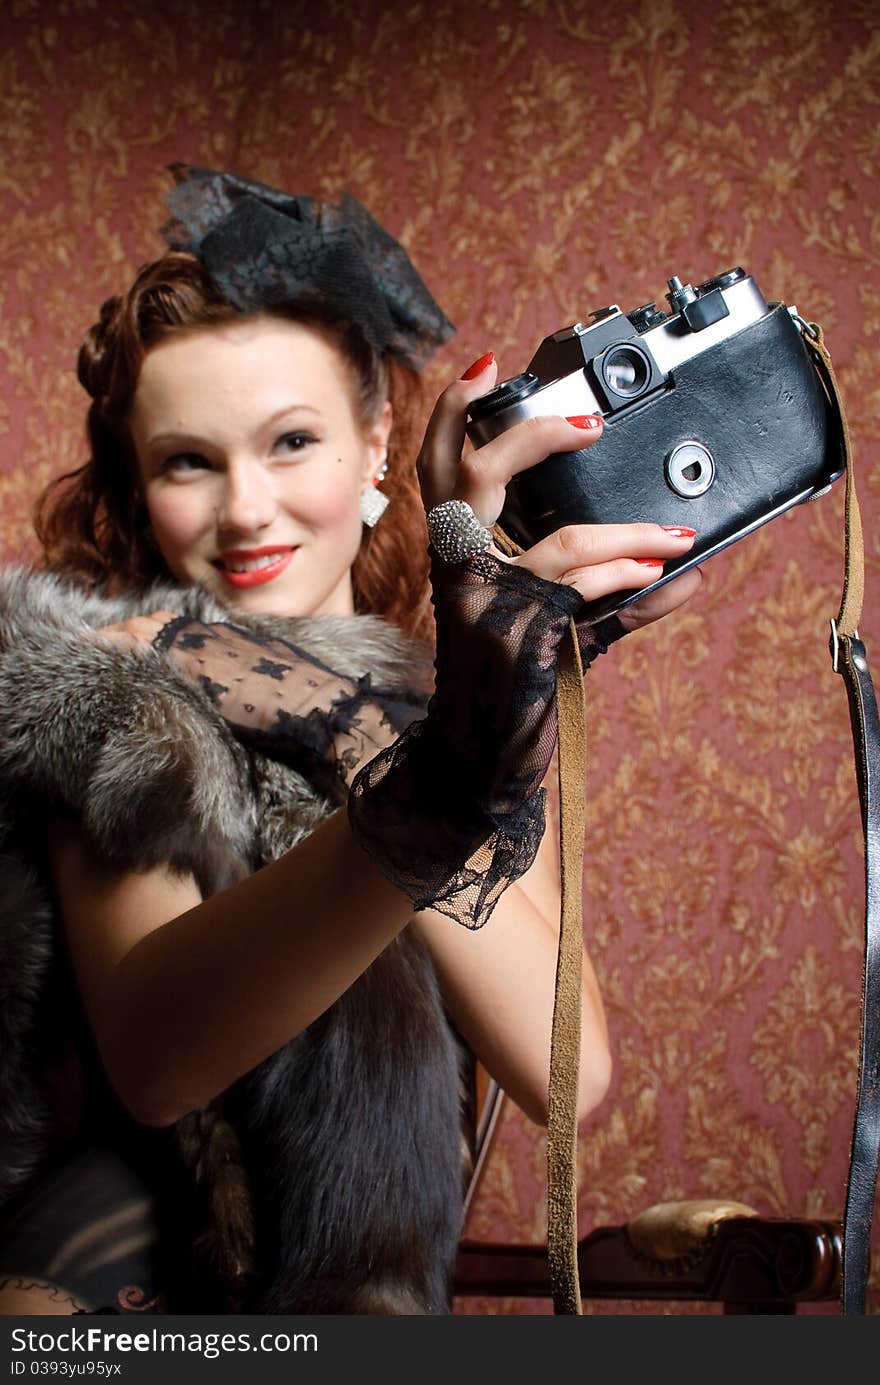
[(137, 632), (440, 456), (484, 473), (661, 602), (480, 476), (598, 559)]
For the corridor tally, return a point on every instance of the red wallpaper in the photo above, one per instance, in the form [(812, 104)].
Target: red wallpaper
[(541, 158)]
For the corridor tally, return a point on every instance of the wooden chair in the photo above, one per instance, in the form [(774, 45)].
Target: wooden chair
[(706, 1251)]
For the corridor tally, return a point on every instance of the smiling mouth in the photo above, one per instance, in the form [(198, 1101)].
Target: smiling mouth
[(253, 567)]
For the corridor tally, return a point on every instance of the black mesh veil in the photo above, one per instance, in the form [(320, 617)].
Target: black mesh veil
[(264, 248)]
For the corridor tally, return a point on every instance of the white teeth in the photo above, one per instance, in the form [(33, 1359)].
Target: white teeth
[(250, 564)]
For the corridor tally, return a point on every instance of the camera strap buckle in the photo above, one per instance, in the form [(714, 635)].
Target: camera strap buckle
[(807, 329), (834, 645)]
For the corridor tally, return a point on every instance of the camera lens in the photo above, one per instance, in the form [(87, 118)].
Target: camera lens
[(626, 371)]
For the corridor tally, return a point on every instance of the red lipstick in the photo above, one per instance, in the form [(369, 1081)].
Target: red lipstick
[(256, 576)]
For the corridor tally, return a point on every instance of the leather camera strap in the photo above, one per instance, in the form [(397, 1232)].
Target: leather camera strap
[(849, 659), (565, 1040)]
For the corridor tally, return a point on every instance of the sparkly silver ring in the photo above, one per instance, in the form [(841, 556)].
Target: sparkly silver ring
[(456, 533)]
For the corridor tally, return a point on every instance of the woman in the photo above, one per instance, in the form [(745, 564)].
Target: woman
[(274, 987)]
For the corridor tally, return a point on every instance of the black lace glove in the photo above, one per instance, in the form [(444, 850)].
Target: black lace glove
[(453, 811)]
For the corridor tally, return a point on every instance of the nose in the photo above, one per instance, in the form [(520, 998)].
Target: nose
[(248, 503)]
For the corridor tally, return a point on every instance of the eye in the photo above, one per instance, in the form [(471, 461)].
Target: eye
[(293, 442), (182, 462)]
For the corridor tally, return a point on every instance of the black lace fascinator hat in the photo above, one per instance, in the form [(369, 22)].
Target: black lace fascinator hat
[(264, 248)]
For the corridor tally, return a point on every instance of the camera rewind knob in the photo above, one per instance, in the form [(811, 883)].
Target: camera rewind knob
[(680, 294), (699, 308)]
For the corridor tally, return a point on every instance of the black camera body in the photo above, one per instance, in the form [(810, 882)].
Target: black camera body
[(714, 418)]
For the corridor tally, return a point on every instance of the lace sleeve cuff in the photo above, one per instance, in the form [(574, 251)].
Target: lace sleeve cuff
[(453, 812)]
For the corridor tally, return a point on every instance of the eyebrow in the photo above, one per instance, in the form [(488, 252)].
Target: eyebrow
[(193, 439)]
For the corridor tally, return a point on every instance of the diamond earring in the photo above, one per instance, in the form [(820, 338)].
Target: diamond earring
[(373, 502)]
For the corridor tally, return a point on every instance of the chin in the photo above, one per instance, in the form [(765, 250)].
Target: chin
[(281, 601), (289, 595), (263, 601)]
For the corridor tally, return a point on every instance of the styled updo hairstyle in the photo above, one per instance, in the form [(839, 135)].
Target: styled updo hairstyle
[(93, 522)]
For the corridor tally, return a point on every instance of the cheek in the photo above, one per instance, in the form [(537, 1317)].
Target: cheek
[(332, 502), (176, 523)]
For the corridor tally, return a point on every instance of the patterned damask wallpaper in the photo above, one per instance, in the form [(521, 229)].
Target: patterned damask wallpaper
[(541, 158)]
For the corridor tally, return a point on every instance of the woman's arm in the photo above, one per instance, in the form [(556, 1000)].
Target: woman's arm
[(185, 995), (498, 984)]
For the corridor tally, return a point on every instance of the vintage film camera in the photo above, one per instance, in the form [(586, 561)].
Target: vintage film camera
[(714, 417)]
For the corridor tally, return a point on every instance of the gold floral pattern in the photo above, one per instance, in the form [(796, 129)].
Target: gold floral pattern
[(540, 158), (805, 1052)]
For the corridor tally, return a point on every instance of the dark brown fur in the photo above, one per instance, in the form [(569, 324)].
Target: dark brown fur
[(348, 1197)]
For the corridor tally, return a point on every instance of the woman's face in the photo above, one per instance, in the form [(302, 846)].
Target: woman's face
[(252, 463)]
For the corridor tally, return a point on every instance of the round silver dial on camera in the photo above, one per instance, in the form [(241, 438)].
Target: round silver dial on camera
[(690, 469)]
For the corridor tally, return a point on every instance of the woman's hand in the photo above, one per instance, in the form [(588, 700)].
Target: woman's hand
[(138, 632), (595, 559)]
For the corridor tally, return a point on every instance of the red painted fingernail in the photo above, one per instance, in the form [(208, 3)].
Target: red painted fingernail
[(679, 531), (649, 562), (479, 366), (585, 420)]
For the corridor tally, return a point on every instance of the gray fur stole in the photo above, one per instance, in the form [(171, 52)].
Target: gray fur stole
[(349, 1136)]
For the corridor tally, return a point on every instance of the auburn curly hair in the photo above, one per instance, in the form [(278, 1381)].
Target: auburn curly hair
[(93, 523)]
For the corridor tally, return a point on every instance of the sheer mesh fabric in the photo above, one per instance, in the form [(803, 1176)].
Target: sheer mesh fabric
[(449, 803), (265, 248), (285, 702)]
